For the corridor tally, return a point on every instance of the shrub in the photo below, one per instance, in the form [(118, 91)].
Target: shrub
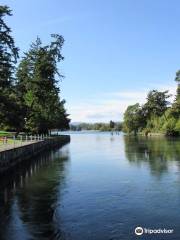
[(170, 127)]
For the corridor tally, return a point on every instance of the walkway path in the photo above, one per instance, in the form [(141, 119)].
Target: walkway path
[(16, 144)]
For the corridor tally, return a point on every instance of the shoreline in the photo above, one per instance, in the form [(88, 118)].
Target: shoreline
[(11, 157)]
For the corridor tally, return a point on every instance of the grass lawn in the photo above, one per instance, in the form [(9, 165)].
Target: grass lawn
[(9, 135), (6, 134), (10, 141)]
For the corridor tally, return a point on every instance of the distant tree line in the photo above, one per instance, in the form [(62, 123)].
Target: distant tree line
[(29, 91), (157, 115), (111, 126)]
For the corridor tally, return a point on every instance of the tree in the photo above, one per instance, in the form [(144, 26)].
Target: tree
[(38, 88), (134, 118), (8, 51), (156, 103), (176, 105), (8, 58), (111, 124)]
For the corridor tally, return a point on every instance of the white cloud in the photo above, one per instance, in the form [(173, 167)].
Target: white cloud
[(110, 105)]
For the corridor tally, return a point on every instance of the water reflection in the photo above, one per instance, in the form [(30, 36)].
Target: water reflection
[(158, 152), (28, 198), (108, 186)]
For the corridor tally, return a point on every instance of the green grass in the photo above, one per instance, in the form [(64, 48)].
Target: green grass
[(9, 142), (8, 135), (4, 133)]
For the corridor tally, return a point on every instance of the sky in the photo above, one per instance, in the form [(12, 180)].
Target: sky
[(115, 50)]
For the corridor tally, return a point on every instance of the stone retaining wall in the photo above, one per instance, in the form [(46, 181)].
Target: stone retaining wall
[(11, 157)]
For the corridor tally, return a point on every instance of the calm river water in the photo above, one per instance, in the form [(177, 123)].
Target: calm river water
[(98, 187)]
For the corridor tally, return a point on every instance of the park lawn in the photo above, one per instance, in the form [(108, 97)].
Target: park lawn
[(9, 136), (12, 141), (2, 133), (6, 134)]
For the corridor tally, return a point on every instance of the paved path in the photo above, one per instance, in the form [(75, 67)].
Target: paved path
[(7, 146)]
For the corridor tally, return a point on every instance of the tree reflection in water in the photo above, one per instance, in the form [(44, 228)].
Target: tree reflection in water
[(28, 198), (158, 152)]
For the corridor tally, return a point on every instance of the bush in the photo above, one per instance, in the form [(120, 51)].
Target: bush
[(170, 127), (177, 127)]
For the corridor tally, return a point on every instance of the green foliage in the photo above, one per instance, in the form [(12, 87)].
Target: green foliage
[(8, 51), (9, 109), (29, 97), (169, 126), (175, 111), (176, 105), (111, 126), (134, 118), (156, 115), (177, 127), (3, 133), (37, 87), (177, 78), (156, 103)]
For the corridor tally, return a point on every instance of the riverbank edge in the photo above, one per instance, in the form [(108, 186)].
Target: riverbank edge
[(11, 157), (153, 134)]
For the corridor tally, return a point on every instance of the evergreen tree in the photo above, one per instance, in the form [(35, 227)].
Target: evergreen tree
[(8, 58), (157, 103), (38, 88), (176, 106)]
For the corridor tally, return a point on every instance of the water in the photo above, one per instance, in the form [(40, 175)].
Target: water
[(98, 187)]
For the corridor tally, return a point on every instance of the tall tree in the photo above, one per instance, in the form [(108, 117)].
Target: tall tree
[(157, 103), (8, 58), (134, 118), (38, 86), (111, 124), (176, 105)]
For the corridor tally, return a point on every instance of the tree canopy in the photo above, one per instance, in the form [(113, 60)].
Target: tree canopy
[(30, 96), (157, 115)]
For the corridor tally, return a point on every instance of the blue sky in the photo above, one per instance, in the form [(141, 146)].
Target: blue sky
[(115, 51)]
